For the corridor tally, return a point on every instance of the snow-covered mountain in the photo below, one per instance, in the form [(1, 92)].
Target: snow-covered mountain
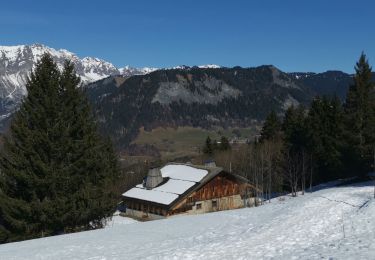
[(130, 71), (332, 223), (185, 67), (16, 63), (209, 66)]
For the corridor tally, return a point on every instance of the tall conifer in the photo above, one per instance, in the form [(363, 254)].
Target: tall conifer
[(325, 140), (271, 128), (360, 118), (56, 170)]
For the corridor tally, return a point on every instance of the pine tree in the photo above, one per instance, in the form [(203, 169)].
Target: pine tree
[(271, 128), (360, 119), (294, 150), (325, 140), (294, 128), (224, 144), (28, 163), (208, 146), (56, 170), (91, 161)]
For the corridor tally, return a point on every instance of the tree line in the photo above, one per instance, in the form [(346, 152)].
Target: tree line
[(305, 146), (211, 146)]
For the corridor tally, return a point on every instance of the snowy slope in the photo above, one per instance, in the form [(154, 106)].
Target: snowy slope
[(21, 59), (209, 66), (16, 63), (117, 221), (129, 71), (333, 223)]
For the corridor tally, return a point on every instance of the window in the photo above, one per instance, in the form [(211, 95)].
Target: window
[(214, 203), (199, 205)]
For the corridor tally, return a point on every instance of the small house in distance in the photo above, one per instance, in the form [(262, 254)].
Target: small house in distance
[(187, 189)]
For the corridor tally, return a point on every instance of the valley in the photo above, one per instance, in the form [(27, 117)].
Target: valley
[(174, 143)]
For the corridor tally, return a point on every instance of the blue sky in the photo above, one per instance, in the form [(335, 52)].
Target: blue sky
[(292, 35)]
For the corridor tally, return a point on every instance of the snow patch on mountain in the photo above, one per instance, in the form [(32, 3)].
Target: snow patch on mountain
[(185, 67), (209, 66), (130, 71)]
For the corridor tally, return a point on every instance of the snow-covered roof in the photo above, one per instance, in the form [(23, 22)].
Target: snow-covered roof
[(183, 172), (175, 186), (180, 179), (161, 197)]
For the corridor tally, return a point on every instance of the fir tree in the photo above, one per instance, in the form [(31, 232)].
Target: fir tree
[(56, 170), (360, 118), (208, 146), (28, 164), (224, 144), (91, 161), (325, 140), (271, 128), (294, 128)]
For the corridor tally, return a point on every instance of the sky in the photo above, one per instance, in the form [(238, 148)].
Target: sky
[(292, 35)]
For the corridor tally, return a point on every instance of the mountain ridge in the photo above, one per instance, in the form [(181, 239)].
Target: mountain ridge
[(17, 62), (197, 97), (183, 95)]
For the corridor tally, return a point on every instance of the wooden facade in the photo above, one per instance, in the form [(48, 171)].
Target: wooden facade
[(235, 190)]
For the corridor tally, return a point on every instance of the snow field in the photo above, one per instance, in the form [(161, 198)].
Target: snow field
[(332, 223)]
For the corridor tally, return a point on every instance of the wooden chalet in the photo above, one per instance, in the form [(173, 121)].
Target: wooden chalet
[(187, 189)]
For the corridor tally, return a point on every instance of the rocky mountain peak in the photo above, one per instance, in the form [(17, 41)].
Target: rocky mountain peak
[(17, 62)]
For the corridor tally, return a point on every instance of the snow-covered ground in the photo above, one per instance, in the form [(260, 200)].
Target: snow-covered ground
[(332, 223), (117, 221)]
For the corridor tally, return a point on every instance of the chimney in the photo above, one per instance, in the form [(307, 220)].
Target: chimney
[(154, 178), (210, 163)]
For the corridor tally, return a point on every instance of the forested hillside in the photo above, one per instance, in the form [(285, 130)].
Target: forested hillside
[(205, 97), (198, 97)]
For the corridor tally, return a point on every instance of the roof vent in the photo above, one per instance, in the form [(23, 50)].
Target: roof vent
[(154, 178)]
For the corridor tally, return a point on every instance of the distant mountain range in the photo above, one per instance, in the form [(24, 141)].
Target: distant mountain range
[(193, 96), (326, 83), (16, 63), (127, 99)]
